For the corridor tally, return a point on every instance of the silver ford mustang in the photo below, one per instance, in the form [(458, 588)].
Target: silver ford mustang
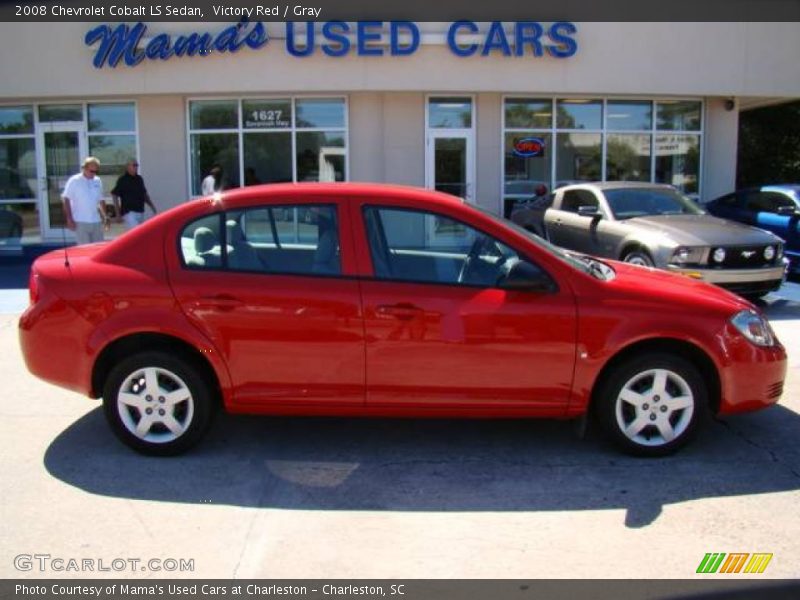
[(654, 225)]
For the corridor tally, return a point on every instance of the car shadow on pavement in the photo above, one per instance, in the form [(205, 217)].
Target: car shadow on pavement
[(781, 309), (432, 465)]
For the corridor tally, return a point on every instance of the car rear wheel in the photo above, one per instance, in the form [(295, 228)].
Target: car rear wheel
[(157, 404), (651, 405), (638, 257)]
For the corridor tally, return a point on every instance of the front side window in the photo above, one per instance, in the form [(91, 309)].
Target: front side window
[(267, 140), (400, 250)]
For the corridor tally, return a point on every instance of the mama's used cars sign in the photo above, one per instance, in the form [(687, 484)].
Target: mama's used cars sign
[(131, 44)]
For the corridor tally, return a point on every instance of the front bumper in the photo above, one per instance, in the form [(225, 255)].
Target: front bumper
[(742, 281), (752, 376)]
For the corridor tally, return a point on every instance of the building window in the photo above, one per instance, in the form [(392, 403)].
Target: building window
[(557, 141), (18, 176), (111, 133), (268, 140)]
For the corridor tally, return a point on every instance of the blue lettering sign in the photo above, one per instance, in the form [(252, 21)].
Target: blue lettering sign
[(122, 43), (336, 39)]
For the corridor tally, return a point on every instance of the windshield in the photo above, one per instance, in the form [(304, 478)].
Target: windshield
[(578, 261), (627, 203)]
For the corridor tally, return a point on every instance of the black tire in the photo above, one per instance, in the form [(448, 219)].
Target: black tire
[(665, 398), (638, 257), (180, 401)]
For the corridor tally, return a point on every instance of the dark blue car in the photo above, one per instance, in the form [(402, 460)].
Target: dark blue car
[(775, 208)]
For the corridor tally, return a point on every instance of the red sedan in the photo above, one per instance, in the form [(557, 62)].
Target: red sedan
[(355, 299)]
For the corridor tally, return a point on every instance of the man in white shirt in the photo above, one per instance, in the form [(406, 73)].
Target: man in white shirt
[(84, 206)]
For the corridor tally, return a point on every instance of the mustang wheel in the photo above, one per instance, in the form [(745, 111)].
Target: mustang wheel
[(650, 406), (157, 404), (639, 257)]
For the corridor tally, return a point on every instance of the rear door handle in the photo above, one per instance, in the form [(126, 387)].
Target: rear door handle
[(403, 311), (219, 302)]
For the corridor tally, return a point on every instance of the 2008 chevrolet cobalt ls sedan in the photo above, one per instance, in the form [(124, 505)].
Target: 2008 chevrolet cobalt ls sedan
[(355, 299)]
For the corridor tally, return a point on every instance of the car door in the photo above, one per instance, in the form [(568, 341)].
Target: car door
[(569, 228), (440, 333), (774, 212), (268, 285)]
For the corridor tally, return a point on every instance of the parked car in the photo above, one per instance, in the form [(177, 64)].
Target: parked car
[(775, 208), (189, 312), (10, 225), (653, 225)]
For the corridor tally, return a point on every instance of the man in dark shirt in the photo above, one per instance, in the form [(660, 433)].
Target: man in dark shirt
[(133, 195)]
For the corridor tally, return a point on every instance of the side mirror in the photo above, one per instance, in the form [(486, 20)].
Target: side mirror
[(522, 276), (589, 211)]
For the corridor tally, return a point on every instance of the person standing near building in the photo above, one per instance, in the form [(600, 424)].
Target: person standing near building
[(84, 207), (213, 181), (130, 196)]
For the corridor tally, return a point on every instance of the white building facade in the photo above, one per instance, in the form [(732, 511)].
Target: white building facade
[(487, 111)]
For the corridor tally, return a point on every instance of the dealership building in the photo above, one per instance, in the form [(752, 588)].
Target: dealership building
[(483, 110)]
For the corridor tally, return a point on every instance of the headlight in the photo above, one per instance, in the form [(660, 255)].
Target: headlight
[(754, 327), (719, 255), (769, 252), (687, 256)]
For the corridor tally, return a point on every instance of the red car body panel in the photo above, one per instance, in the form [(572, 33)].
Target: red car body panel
[(354, 345)]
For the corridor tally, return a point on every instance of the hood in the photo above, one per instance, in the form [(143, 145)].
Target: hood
[(674, 290), (704, 230)]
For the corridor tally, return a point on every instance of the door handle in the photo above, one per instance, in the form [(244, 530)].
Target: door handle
[(403, 311), (219, 302)]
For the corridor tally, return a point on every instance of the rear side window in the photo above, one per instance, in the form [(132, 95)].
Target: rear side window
[(287, 239)]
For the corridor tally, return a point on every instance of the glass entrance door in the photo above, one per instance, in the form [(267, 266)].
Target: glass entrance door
[(449, 159), (63, 146)]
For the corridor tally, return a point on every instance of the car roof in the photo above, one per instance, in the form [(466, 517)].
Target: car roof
[(247, 195), (613, 185)]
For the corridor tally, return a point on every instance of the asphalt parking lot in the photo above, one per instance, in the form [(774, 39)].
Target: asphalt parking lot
[(352, 498)]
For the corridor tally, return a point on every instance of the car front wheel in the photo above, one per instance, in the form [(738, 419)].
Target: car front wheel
[(157, 404), (651, 405), (639, 257)]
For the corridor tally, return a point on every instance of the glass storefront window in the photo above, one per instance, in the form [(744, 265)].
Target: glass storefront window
[(320, 156), (266, 114), (450, 113), (579, 157), (628, 157), (112, 117), (282, 140), (267, 158), (51, 113), (209, 149), (113, 152), (579, 114), (629, 115), (678, 115), (214, 114), (678, 161), (17, 168), (319, 113), (16, 119), (529, 113), (528, 162), (18, 222)]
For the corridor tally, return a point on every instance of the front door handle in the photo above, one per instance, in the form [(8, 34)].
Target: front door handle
[(403, 311)]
